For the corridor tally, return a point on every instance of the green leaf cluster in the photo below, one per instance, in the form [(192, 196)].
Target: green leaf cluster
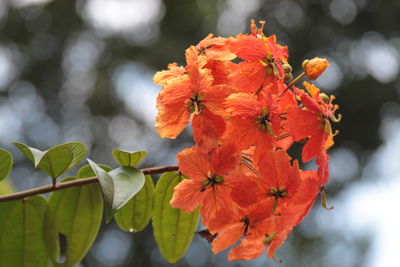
[(57, 160), (59, 230)]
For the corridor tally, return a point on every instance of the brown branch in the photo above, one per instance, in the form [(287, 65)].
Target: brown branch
[(73, 183)]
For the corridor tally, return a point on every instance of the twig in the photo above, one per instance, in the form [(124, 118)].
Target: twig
[(73, 183)]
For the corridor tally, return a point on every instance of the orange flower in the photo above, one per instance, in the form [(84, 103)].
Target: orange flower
[(277, 230), (221, 70), (192, 95), (209, 183), (315, 67), (215, 48), (302, 124), (252, 221), (280, 180), (248, 249), (248, 77), (253, 119), (302, 202), (323, 167), (313, 122), (173, 113), (165, 76), (263, 60)]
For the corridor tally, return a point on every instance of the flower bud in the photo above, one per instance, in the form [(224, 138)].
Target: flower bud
[(287, 68), (313, 68), (303, 65)]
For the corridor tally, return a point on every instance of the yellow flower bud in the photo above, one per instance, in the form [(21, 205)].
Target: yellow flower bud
[(313, 68)]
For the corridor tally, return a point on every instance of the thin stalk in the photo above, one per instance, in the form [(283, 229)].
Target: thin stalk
[(74, 183)]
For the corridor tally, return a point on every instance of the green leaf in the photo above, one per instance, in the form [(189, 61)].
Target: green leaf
[(173, 228), (21, 233), (118, 186), (6, 187), (6, 162), (126, 158), (57, 160), (135, 215), (86, 170), (76, 213)]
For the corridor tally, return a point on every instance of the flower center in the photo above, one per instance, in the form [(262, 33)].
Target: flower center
[(211, 181), (277, 194), (195, 104), (246, 222), (271, 65), (264, 121)]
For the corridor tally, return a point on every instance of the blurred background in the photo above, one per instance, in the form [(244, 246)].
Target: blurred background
[(81, 70)]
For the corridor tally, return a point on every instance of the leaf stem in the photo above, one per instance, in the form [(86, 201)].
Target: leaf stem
[(77, 182), (295, 80)]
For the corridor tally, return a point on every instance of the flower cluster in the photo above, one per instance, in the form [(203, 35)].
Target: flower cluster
[(246, 112)]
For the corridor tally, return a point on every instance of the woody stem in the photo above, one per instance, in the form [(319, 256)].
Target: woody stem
[(74, 183)]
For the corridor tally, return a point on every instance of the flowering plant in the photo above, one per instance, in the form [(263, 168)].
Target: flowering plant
[(246, 113)]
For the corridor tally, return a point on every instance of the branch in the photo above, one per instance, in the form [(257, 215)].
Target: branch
[(78, 182)]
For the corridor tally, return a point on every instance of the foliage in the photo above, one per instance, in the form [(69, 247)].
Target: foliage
[(60, 231)]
